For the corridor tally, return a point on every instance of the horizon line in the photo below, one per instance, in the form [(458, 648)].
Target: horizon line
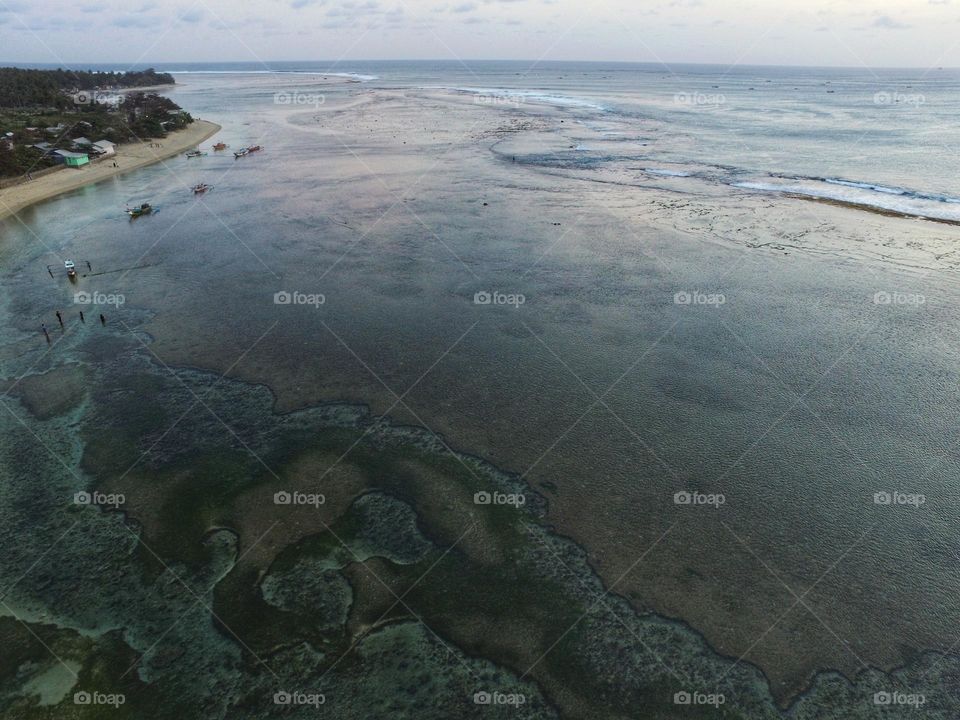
[(78, 65)]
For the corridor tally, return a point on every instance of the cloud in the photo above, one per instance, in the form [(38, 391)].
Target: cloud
[(132, 21), (191, 16), (888, 23), (48, 23), (352, 9)]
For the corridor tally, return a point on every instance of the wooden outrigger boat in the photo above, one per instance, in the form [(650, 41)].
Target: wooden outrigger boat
[(220, 146), (247, 150), (201, 188), (195, 153), (144, 209)]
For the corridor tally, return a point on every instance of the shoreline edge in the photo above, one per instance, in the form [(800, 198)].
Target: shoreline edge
[(134, 156)]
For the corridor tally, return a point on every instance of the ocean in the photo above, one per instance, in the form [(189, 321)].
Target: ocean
[(606, 409), (883, 138)]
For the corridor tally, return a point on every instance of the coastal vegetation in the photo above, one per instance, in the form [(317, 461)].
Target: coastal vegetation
[(26, 88), (42, 111)]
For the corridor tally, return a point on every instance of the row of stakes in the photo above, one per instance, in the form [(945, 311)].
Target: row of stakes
[(46, 333), (43, 326)]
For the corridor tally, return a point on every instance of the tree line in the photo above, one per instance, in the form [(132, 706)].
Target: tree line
[(26, 88)]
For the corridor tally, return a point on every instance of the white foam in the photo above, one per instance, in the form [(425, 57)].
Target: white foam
[(860, 194), (866, 186), (521, 95), (355, 76)]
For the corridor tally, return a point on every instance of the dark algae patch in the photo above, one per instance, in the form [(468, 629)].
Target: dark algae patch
[(277, 565)]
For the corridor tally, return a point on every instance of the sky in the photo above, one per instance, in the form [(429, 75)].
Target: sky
[(856, 33)]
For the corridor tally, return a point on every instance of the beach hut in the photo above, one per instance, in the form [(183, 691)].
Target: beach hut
[(104, 147), (81, 142), (71, 159)]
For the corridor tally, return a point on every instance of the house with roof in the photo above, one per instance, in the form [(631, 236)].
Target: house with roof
[(80, 143), (71, 159), (104, 148)]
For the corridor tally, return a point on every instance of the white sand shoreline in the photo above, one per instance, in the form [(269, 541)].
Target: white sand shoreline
[(129, 156)]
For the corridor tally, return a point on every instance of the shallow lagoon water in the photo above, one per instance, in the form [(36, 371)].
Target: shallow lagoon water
[(798, 398)]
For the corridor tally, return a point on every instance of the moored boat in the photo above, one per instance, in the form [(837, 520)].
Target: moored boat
[(247, 150), (195, 153), (71, 269), (144, 209), (201, 188), (220, 146)]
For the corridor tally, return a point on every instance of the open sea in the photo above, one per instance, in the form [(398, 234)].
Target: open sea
[(884, 138)]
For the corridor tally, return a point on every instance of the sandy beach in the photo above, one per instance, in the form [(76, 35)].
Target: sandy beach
[(129, 156)]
